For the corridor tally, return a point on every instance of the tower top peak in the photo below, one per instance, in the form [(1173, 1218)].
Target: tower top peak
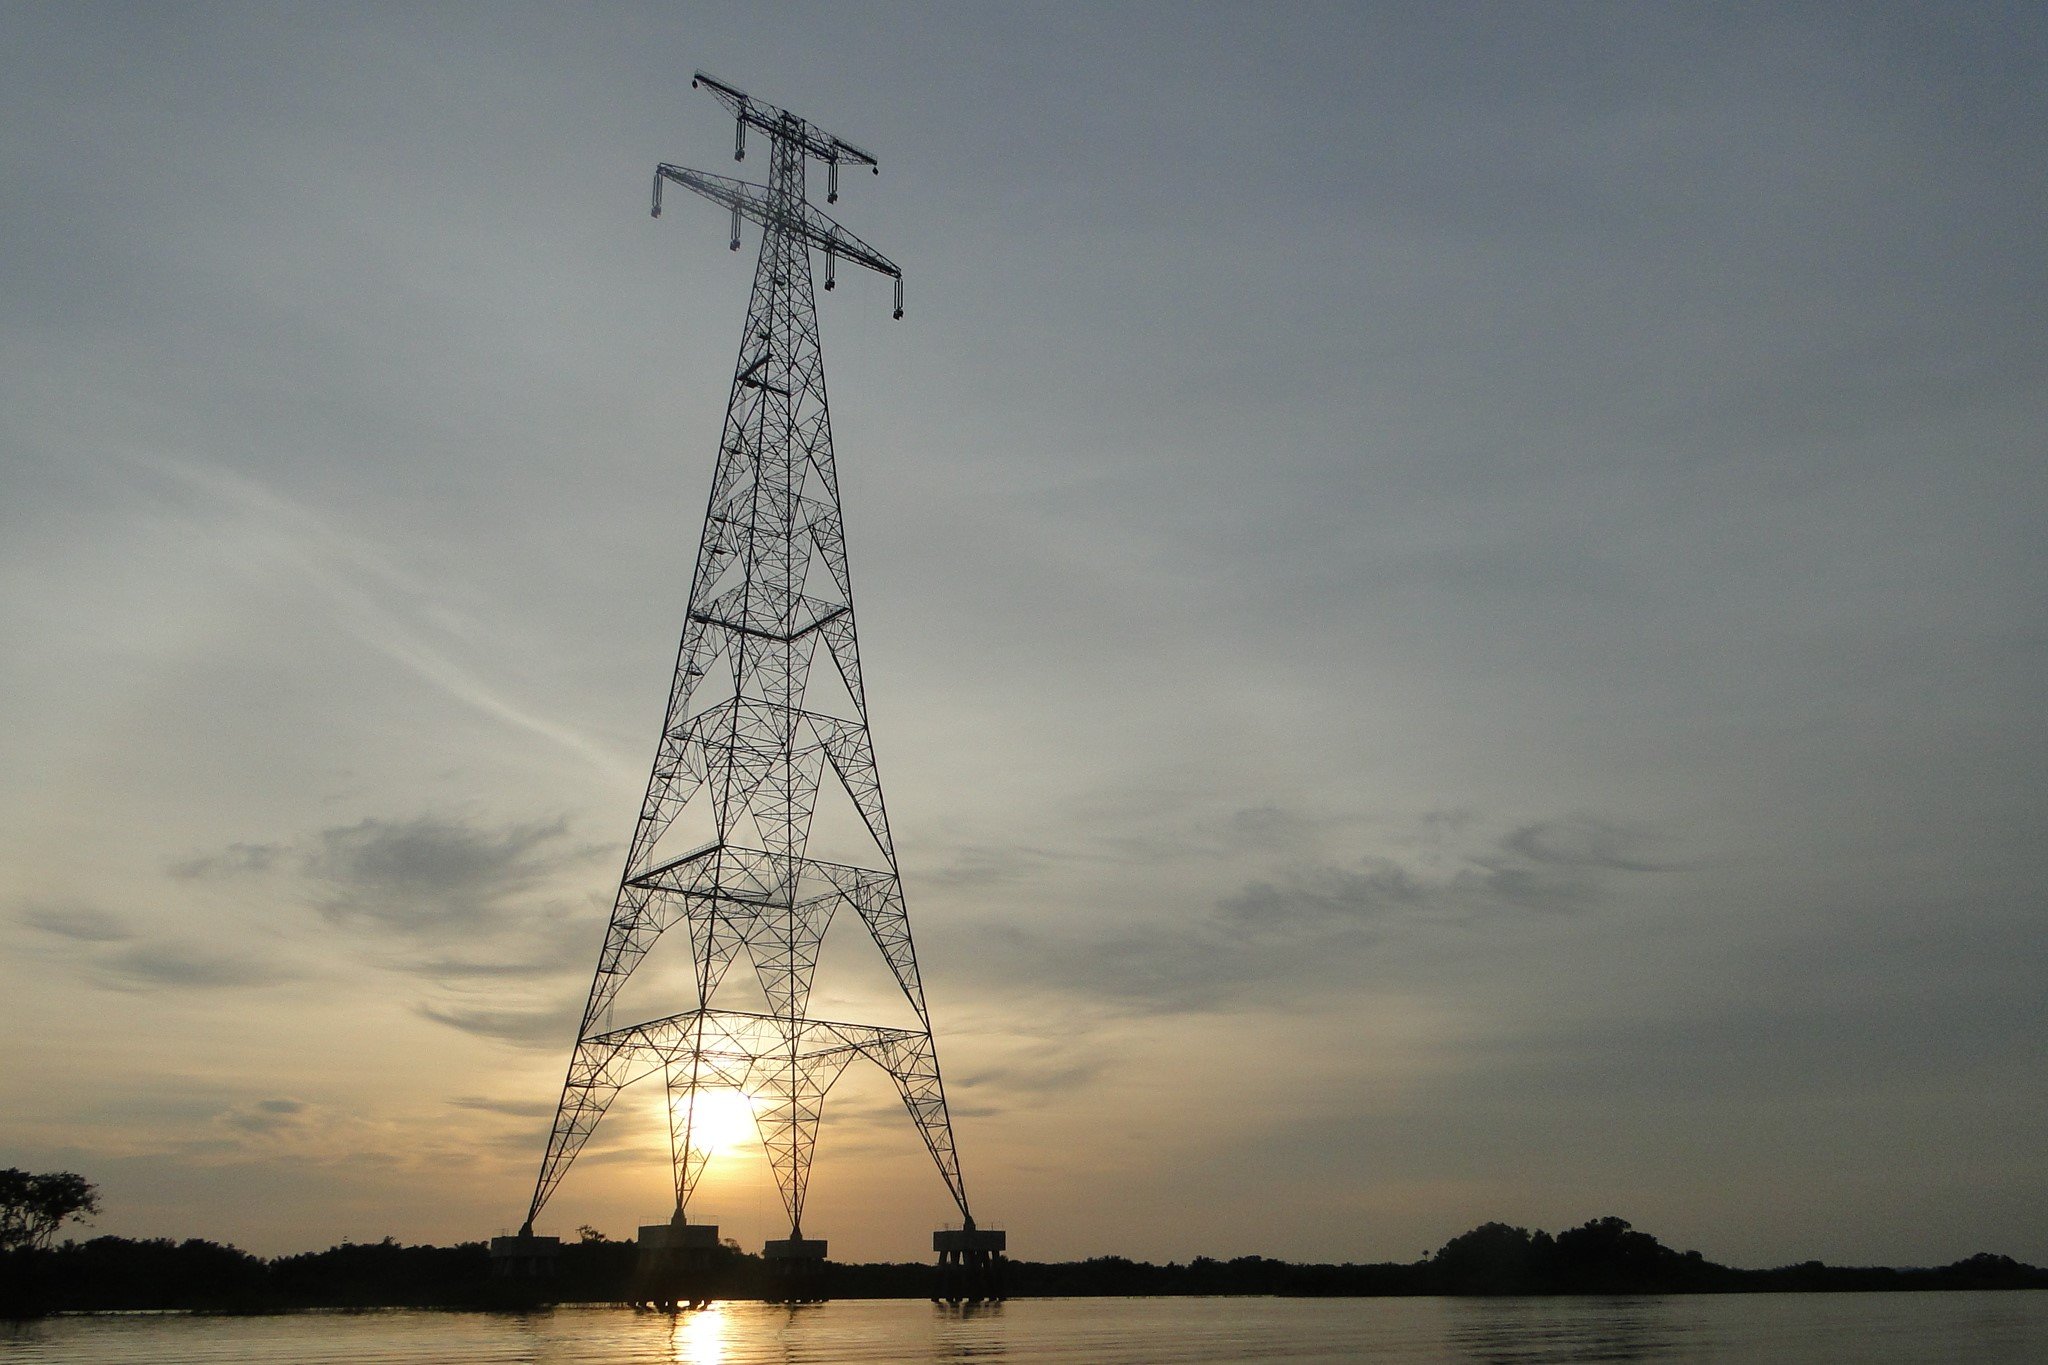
[(780, 123)]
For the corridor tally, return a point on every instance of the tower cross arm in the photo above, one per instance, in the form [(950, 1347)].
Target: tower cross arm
[(781, 123), (800, 220)]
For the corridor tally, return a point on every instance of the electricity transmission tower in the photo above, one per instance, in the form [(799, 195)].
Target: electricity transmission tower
[(766, 708)]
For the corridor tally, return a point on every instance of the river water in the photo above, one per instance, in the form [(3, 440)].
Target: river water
[(1982, 1328)]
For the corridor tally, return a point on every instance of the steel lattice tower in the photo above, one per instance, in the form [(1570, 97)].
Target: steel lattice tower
[(770, 601)]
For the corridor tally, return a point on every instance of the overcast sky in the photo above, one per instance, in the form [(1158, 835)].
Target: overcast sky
[(1452, 598)]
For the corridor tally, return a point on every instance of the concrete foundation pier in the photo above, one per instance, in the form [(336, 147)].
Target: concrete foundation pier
[(523, 1269), (970, 1264), (796, 1270), (678, 1267)]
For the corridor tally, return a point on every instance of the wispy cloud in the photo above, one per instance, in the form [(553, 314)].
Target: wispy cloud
[(457, 969), (374, 597), (1028, 1078), (231, 861), (427, 878), (82, 923), (1325, 897), (429, 872), (266, 1116), (176, 965), (1311, 926), (109, 952), (978, 865), (544, 1028), (1583, 841), (518, 1109)]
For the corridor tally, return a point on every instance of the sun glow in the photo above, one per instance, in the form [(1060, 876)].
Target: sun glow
[(721, 1119)]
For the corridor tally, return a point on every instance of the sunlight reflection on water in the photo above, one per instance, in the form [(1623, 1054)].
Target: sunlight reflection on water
[(700, 1337), (1996, 1329)]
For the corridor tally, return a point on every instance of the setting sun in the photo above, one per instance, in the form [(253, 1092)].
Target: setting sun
[(721, 1120)]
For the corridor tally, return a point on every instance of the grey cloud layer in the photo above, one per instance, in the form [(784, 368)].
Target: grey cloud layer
[(427, 873), (1309, 933), (432, 878), (473, 908), (85, 923), (110, 953), (184, 965)]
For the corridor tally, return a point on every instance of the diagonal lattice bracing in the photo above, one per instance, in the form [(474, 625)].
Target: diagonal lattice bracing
[(742, 761)]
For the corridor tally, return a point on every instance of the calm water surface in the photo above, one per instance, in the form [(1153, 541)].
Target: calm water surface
[(1992, 1328)]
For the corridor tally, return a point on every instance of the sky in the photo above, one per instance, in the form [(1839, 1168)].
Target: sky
[(1452, 600)]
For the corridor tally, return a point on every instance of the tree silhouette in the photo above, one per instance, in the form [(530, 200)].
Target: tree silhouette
[(33, 1207), (1606, 1255), (1492, 1258)]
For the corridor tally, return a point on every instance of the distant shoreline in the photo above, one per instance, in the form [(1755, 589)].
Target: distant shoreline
[(1605, 1257)]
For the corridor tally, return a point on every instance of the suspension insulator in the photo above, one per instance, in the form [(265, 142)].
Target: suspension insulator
[(739, 135), (831, 186), (899, 296), (831, 265), (735, 229)]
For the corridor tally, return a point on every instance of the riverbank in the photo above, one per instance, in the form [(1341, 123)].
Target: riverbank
[(1603, 1257)]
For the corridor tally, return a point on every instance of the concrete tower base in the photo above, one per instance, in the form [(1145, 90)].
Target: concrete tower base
[(523, 1269), (679, 1266), (970, 1265), (796, 1270)]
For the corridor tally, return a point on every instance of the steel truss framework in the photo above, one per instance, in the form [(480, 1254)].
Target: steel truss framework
[(770, 599)]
